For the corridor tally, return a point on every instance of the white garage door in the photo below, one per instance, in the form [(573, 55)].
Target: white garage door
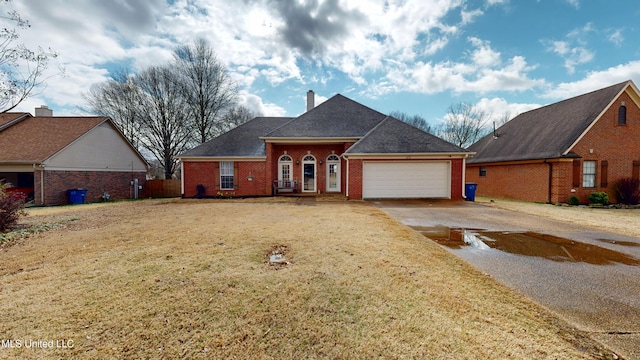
[(406, 180)]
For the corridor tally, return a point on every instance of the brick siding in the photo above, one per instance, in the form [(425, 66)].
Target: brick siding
[(56, 184), (605, 141)]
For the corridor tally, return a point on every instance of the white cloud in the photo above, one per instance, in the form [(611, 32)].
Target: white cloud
[(596, 80), (574, 3), (256, 105), (500, 110), (616, 37), (470, 16), (484, 73), (573, 49)]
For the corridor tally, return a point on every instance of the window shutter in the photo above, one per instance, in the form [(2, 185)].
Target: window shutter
[(235, 176), (576, 173), (216, 176), (604, 166), (636, 170)]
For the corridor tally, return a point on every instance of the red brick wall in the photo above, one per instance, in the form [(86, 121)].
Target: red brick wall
[(355, 179), (298, 152), (116, 184), (618, 145), (207, 173), (527, 182)]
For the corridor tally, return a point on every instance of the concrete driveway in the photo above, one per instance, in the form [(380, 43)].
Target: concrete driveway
[(589, 278)]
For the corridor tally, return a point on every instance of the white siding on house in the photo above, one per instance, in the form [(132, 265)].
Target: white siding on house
[(101, 149)]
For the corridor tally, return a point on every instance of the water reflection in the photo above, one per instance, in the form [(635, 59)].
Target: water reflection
[(529, 244)]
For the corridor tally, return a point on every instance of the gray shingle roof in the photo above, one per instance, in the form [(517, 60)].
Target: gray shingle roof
[(337, 117), (393, 136), (547, 132), (243, 140)]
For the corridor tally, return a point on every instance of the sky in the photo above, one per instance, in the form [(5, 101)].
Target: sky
[(418, 57)]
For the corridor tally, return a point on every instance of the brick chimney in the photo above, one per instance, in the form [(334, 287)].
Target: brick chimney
[(311, 99), (44, 110)]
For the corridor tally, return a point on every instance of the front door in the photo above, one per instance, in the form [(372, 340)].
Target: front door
[(309, 174), (333, 173)]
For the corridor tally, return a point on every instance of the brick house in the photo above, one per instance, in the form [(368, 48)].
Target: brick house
[(46, 155), (574, 147), (338, 147)]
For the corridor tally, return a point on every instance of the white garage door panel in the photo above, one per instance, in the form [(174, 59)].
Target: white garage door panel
[(406, 180)]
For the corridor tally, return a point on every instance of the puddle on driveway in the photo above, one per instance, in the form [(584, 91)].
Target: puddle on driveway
[(529, 244)]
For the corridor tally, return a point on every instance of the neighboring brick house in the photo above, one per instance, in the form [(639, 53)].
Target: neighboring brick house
[(47, 155), (339, 147), (574, 147)]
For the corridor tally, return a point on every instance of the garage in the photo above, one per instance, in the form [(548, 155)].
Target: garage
[(382, 180)]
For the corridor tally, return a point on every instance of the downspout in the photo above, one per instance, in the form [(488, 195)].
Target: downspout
[(464, 177), (550, 181), (182, 177), (41, 183), (347, 160)]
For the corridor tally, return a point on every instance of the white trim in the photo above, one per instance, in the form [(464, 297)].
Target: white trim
[(285, 162), (464, 177), (315, 172), (309, 140), (328, 164), (429, 156), (216, 159), (346, 193), (182, 178)]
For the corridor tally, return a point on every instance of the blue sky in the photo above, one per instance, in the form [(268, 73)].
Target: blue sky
[(417, 57)]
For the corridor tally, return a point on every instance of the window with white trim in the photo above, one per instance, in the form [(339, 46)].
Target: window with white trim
[(226, 175), (589, 174)]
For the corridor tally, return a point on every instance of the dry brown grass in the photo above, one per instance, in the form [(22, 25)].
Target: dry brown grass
[(190, 279)]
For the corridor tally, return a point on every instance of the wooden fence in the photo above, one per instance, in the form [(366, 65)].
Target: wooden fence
[(164, 188)]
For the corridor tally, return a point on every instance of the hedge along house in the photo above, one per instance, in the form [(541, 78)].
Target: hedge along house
[(574, 147), (339, 147), (47, 155)]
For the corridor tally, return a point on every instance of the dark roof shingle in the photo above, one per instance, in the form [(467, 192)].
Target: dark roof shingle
[(547, 132), (393, 136), (338, 117), (243, 141)]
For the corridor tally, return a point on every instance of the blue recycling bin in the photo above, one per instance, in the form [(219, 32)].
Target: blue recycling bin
[(470, 190), (77, 196)]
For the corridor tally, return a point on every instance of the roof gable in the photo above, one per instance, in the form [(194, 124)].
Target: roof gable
[(34, 139), (242, 141), (393, 136), (547, 132), (338, 117)]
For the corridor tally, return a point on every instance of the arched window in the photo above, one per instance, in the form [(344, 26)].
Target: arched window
[(333, 173), (309, 173), (285, 165), (622, 115)]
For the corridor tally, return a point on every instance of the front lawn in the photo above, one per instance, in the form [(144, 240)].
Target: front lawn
[(192, 279)]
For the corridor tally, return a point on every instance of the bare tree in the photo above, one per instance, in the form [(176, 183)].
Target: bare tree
[(207, 88), (464, 125), (21, 69), (415, 120), (236, 117), (118, 99), (163, 116)]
